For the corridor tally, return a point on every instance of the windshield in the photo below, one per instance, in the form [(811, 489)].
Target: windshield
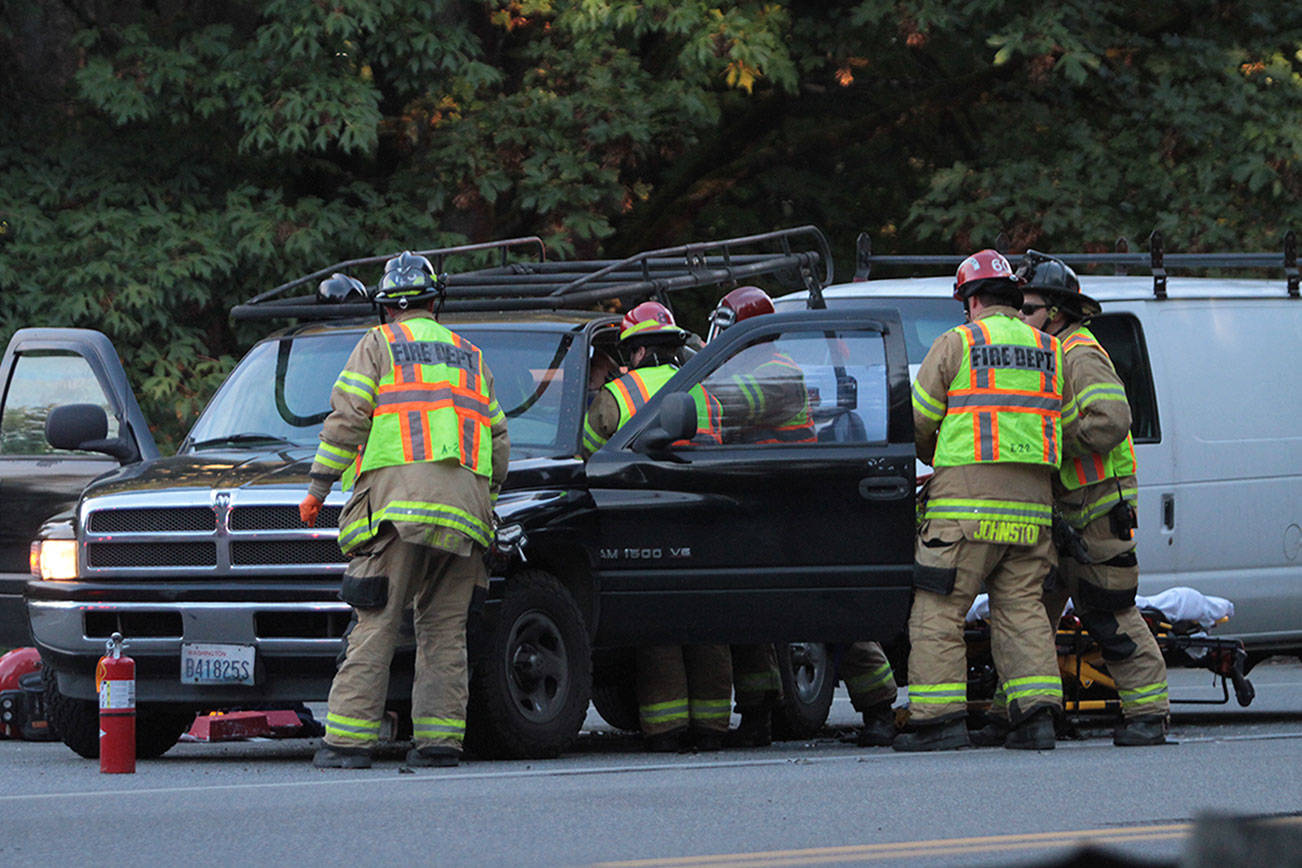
[(279, 394)]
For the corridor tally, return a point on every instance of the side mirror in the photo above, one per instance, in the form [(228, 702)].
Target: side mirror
[(675, 421), (85, 427)]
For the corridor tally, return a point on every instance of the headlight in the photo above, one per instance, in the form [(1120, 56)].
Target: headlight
[(54, 559)]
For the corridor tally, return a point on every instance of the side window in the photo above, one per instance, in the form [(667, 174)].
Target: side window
[(803, 387), (1123, 338), (40, 382)]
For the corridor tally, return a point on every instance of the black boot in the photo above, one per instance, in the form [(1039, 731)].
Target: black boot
[(755, 729), (878, 726), (666, 742), (1033, 733), (992, 734), (947, 735), (433, 756), (328, 757), (1150, 729), (706, 740)]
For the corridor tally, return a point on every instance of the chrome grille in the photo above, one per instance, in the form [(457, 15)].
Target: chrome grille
[(308, 551), (279, 518), (192, 519), (208, 534), (151, 554)]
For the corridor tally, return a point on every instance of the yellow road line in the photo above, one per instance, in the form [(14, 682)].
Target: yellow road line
[(931, 848)]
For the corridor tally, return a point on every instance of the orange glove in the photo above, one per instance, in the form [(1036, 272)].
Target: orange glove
[(308, 510)]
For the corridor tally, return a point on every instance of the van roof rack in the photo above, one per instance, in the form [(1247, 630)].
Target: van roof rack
[(797, 258), (1156, 260)]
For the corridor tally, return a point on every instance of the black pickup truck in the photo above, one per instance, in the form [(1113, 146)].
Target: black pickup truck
[(227, 600)]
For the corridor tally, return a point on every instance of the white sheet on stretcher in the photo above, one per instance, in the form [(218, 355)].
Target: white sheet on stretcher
[(1177, 604)]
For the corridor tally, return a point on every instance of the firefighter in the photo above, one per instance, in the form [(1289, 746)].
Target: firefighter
[(870, 682), (416, 432), (1095, 494), (989, 406), (683, 691)]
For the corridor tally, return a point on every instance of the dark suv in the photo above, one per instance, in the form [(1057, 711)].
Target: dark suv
[(227, 600)]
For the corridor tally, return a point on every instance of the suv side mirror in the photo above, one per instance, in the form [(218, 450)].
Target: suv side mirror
[(675, 421), (85, 427)]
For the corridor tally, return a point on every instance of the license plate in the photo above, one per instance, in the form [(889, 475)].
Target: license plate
[(216, 664)]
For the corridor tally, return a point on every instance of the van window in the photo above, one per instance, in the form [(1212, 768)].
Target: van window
[(1123, 338)]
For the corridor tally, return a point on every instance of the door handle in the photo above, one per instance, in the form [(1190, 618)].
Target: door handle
[(1168, 512), (885, 488)]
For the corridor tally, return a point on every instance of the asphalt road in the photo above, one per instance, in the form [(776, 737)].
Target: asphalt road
[(823, 802)]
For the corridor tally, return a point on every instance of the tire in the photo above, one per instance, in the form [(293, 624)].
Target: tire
[(807, 687), (530, 689), (617, 705), (614, 688), (76, 721)]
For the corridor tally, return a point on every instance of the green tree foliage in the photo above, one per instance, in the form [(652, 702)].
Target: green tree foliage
[(160, 162)]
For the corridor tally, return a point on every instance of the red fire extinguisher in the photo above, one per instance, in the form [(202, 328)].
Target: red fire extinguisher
[(116, 678)]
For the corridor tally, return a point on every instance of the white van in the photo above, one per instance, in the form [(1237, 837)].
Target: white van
[(1213, 371)]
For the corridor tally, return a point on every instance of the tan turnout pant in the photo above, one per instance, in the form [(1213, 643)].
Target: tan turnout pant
[(437, 586), (679, 685), (1103, 596), (1021, 641), (867, 675), (755, 677)]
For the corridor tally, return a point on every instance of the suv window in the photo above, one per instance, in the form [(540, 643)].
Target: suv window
[(1123, 338), (804, 387), (41, 381)]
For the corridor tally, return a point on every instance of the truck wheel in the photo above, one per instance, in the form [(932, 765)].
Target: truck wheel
[(77, 723), (617, 705), (530, 689), (614, 688), (807, 686)]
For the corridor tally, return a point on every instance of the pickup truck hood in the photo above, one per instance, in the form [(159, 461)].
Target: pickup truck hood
[(211, 469), (230, 469)]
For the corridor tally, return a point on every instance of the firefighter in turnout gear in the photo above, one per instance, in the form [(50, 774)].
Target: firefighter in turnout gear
[(1095, 493), (415, 431), (989, 409), (684, 692), (870, 682)]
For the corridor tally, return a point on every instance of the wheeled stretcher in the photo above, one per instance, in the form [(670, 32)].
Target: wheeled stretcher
[(1179, 619)]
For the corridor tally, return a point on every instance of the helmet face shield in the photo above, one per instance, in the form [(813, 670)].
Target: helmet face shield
[(1057, 282), (741, 303), (721, 317)]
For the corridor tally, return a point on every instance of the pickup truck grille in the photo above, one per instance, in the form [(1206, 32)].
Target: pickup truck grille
[(151, 554), (195, 519), (315, 551), (222, 539), (279, 518)]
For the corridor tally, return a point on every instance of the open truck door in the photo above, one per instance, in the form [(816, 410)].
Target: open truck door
[(46, 370)]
